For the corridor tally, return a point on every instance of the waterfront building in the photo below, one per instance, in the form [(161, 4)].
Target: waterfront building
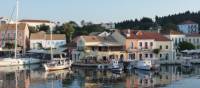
[(43, 40), (175, 36), (7, 35), (100, 48), (141, 45), (188, 27), (194, 39)]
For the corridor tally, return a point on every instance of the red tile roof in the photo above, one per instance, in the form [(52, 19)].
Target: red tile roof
[(92, 38), (188, 22), (147, 35), (21, 26), (193, 35), (42, 35)]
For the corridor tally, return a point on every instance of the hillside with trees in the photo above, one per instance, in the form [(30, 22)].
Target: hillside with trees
[(166, 22)]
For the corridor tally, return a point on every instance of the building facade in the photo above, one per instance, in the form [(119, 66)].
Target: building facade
[(194, 39), (141, 45), (101, 48), (188, 27), (7, 35), (43, 40)]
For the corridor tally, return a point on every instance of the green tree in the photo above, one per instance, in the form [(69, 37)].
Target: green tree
[(170, 26), (68, 31), (43, 27), (32, 29), (185, 46)]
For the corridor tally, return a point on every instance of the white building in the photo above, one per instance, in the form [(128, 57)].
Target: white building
[(101, 34), (189, 27), (194, 39), (41, 39), (108, 25), (176, 37), (34, 23)]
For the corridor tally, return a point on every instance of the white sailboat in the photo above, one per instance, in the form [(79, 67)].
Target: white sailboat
[(16, 60), (59, 62)]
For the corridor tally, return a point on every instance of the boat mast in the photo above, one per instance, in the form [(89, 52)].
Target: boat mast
[(16, 27), (51, 29)]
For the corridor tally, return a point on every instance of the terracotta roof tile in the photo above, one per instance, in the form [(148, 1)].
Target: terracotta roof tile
[(36, 36), (43, 35), (21, 26), (55, 37), (193, 35), (92, 38), (146, 35)]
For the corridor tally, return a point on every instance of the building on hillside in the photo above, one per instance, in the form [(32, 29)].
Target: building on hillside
[(7, 35), (108, 25), (43, 40), (34, 23), (101, 34), (194, 39), (141, 45), (188, 27), (101, 48)]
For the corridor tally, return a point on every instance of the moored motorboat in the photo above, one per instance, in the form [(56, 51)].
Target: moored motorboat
[(116, 67), (143, 64), (57, 64)]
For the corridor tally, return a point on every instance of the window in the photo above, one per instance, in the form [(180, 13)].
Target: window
[(131, 56), (151, 55), (160, 47), (140, 56), (197, 40), (131, 45), (146, 55), (160, 55), (140, 43), (8, 35), (151, 43), (146, 45), (189, 40), (167, 47)]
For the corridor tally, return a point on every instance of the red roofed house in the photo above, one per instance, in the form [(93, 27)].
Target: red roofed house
[(101, 48), (7, 35), (140, 45)]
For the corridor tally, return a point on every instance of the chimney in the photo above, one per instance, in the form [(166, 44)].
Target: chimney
[(128, 33), (159, 28)]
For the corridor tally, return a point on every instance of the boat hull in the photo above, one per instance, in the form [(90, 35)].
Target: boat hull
[(54, 68), (15, 62)]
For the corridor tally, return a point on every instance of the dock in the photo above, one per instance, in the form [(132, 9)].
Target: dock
[(178, 61)]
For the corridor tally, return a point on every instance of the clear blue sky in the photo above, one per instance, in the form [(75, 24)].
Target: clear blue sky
[(97, 10)]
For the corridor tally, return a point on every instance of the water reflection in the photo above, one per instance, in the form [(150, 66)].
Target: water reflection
[(35, 77)]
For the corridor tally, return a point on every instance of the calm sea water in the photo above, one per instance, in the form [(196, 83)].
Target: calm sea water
[(34, 76)]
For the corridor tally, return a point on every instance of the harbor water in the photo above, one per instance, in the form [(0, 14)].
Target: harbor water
[(34, 76)]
